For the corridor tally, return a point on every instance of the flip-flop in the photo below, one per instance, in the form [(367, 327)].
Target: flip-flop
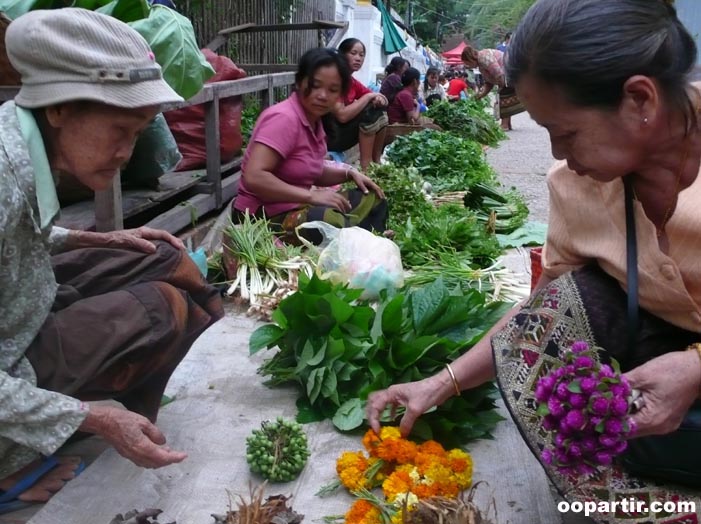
[(8, 499)]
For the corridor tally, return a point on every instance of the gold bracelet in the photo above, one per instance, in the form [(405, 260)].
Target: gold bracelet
[(455, 382), (696, 346), (348, 168)]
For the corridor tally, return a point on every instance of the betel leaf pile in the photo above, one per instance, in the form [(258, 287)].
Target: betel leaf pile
[(338, 349)]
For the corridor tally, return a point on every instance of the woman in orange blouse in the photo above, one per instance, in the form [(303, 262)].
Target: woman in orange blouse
[(616, 99)]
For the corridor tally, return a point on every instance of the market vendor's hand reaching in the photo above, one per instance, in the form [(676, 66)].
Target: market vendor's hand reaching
[(380, 100), (365, 183), (132, 436), (416, 397), (669, 385), (140, 239), (327, 198)]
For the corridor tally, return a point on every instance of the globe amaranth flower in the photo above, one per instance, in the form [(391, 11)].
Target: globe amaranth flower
[(575, 451), (580, 347), (613, 427), (556, 408), (549, 422), (576, 420), (608, 441), (619, 406), (577, 401), (599, 405), (588, 385), (583, 362), (562, 392), (603, 458)]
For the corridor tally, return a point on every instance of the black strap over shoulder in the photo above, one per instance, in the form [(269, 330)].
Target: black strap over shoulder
[(631, 267)]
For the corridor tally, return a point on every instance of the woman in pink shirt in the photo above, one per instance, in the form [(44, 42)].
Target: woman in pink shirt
[(360, 115), (286, 155)]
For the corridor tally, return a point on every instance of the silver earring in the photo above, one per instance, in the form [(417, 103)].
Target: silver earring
[(645, 120)]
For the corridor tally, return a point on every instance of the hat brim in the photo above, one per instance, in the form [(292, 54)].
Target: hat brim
[(128, 96)]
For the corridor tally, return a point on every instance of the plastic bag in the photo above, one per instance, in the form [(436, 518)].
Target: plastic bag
[(155, 153), (356, 257)]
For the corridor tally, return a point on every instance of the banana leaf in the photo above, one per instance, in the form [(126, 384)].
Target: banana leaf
[(124, 10), (172, 40), (15, 8)]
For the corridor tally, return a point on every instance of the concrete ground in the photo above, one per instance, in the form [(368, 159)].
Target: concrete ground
[(219, 399)]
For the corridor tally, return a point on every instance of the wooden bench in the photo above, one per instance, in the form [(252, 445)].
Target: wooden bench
[(182, 197)]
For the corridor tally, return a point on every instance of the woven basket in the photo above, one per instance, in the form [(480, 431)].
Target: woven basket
[(8, 75), (395, 130)]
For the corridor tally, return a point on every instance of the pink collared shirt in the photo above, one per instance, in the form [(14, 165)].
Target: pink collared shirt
[(285, 128)]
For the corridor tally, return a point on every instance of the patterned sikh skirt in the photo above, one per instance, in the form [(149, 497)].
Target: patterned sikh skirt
[(587, 305)]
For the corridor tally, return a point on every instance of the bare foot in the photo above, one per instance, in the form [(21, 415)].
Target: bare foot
[(47, 485)]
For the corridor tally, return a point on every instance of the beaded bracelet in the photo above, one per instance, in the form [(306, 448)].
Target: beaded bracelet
[(455, 382)]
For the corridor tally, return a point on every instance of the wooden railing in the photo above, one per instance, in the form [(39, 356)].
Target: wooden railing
[(214, 191)]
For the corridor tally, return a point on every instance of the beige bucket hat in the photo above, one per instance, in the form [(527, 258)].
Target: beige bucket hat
[(73, 54)]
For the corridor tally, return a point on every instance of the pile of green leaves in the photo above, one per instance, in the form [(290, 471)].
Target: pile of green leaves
[(338, 349), (169, 34), (402, 186), (468, 119), (446, 229), (446, 161)]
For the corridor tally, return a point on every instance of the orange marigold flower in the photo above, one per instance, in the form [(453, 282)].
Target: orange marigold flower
[(363, 512), (461, 464), (370, 440), (431, 447)]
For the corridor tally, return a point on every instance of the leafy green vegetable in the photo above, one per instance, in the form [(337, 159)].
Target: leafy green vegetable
[(501, 212), (470, 119), (530, 234), (172, 40), (443, 159), (125, 10), (338, 349), (446, 229)]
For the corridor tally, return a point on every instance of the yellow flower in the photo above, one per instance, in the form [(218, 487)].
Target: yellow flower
[(408, 498), (461, 464), (350, 459), (390, 432), (398, 482), (353, 479)]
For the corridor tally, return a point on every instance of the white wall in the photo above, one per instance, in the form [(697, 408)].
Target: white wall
[(365, 24)]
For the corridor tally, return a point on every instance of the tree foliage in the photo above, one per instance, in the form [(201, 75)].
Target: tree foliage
[(483, 22)]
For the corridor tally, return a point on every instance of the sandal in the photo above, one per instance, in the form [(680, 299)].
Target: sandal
[(8, 499)]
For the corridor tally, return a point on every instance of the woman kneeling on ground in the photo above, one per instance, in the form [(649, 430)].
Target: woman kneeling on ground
[(280, 169), (85, 316), (360, 115), (621, 262)]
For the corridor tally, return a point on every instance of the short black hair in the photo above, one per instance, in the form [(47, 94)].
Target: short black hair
[(317, 58), (395, 65), (410, 75)]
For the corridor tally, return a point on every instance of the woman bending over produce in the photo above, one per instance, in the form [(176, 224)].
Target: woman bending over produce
[(360, 115), (286, 159)]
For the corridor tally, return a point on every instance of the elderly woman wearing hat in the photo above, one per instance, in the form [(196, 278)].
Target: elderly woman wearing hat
[(83, 316)]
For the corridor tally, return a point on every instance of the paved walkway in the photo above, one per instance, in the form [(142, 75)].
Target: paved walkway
[(219, 399)]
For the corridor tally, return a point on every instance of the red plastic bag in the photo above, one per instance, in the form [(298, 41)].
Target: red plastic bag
[(187, 124)]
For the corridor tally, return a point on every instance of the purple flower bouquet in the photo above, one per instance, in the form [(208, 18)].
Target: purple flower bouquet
[(585, 405)]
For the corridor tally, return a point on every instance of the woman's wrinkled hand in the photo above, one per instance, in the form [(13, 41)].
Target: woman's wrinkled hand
[(133, 436), (416, 397), (140, 239), (365, 183), (328, 198), (669, 385)]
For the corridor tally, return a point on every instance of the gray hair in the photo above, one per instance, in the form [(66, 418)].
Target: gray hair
[(590, 48)]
